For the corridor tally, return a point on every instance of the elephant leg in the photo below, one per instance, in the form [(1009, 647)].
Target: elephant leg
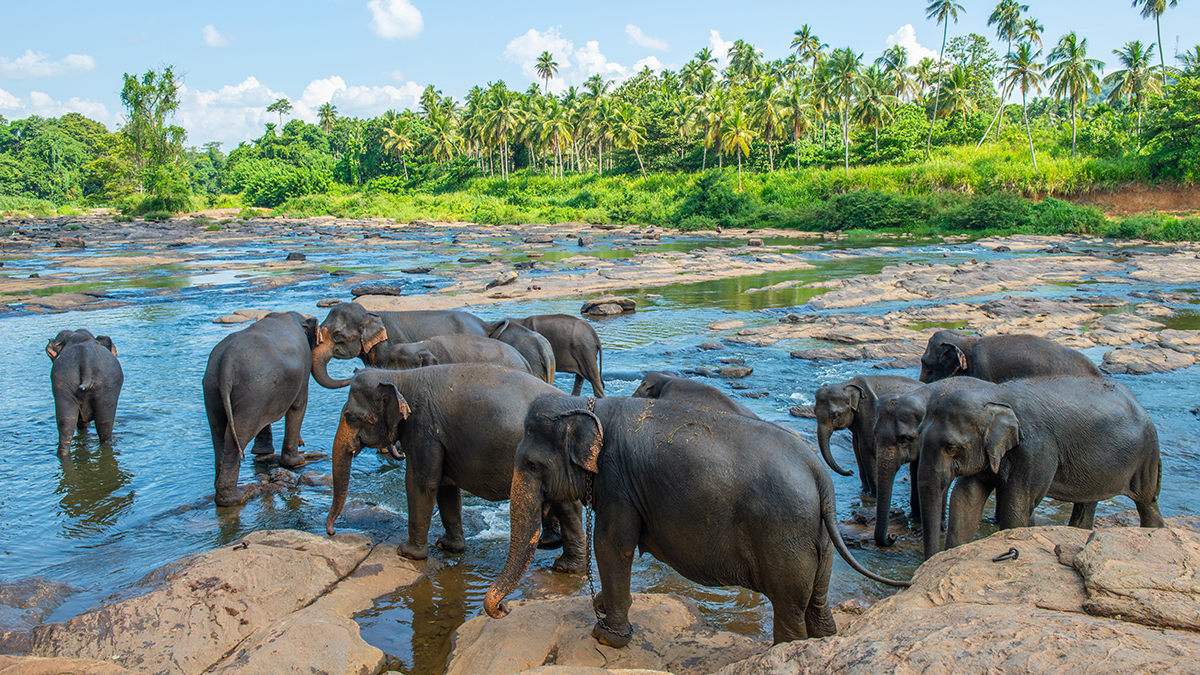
[(914, 497), (966, 510), (1083, 515), (551, 536), (574, 542), (422, 493), (1144, 488), (104, 415), (68, 418), (264, 442), (449, 501), (818, 616), (1015, 505), (866, 480), (228, 461), (578, 388), (1148, 512), (292, 419), (616, 542)]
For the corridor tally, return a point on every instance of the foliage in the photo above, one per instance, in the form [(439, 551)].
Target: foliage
[(1174, 133)]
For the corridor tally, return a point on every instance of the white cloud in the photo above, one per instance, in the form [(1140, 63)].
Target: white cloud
[(37, 64), (637, 37), (574, 65), (214, 38), (720, 48), (650, 62), (7, 100), (392, 19), (907, 37), (395, 75)]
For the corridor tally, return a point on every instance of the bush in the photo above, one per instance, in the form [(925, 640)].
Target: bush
[(1054, 216), (713, 197), (158, 216), (157, 204), (695, 223), (1000, 211)]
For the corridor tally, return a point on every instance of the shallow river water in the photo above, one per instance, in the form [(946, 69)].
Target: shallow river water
[(104, 518)]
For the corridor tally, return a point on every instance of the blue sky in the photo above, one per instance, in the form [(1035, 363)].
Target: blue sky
[(366, 56)]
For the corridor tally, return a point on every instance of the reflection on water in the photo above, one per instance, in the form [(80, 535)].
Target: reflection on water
[(89, 479)]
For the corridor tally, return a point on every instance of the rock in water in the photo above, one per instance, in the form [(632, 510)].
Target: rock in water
[(503, 279), (25, 603), (539, 239), (755, 242), (608, 305), (328, 302), (710, 345), (69, 242), (293, 256), (586, 241), (417, 270), (377, 289)]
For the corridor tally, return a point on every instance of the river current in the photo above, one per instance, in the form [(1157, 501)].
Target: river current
[(107, 516)]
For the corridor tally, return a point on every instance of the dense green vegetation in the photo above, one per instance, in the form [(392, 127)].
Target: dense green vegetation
[(819, 140)]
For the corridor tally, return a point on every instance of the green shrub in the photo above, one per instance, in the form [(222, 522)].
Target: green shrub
[(123, 218), (1053, 216), (158, 216), (695, 223), (1004, 211), (213, 228)]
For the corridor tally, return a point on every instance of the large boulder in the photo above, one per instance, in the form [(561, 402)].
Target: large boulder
[(669, 634), (1106, 602), (608, 305)]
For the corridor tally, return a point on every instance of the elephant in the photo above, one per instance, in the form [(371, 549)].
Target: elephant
[(443, 349), (254, 377), (1000, 358), (350, 331), (1076, 439), (576, 348), (722, 499), (459, 425), (852, 405), (535, 348), (671, 387), (86, 379), (895, 437)]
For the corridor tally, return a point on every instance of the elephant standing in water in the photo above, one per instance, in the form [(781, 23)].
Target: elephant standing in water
[(670, 387), (851, 405), (576, 348), (86, 379), (722, 499), (446, 349), (350, 331), (254, 377), (1000, 358), (1076, 439), (460, 426)]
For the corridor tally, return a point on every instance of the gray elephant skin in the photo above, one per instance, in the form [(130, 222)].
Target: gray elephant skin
[(671, 387), (446, 349), (86, 379), (723, 499), (460, 426), (1075, 439), (576, 348), (1000, 358), (255, 377), (851, 405), (350, 331), (896, 435), (533, 346)]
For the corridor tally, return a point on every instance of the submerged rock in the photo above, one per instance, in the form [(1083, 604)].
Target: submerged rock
[(608, 305), (25, 603)]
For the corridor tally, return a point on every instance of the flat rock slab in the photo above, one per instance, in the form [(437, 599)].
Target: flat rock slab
[(726, 324), (1151, 576), (669, 634), (1153, 358), (34, 665), (377, 289)]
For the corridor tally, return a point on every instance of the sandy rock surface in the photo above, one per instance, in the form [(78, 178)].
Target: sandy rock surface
[(668, 635)]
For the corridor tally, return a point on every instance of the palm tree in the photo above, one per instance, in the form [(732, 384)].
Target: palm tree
[(628, 131), (1022, 71), (547, 68), (766, 110), (942, 11), (738, 135), (959, 97), (1007, 19), (1073, 74), (846, 68), (556, 128), (503, 115), (800, 113), (397, 138), (874, 102), (326, 116), (1136, 80), (1031, 32), (744, 62), (443, 139), (1190, 60), (808, 46), (1156, 8), (706, 59)]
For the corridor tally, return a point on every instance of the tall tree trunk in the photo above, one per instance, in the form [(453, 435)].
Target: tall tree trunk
[(937, 91), (1028, 133), (640, 165), (1162, 56), (739, 170), (1072, 127)]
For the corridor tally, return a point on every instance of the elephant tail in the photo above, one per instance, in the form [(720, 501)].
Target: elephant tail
[(498, 329), (830, 521), (86, 381), (226, 388)]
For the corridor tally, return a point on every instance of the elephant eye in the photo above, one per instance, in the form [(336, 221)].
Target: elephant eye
[(350, 417)]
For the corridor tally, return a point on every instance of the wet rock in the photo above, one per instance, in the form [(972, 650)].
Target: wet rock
[(69, 242), (710, 345), (503, 279), (756, 394), (312, 640), (316, 478), (342, 273), (1002, 249), (608, 305), (804, 411), (377, 289), (539, 239), (417, 270), (25, 603), (294, 256), (1153, 358), (726, 324), (232, 318), (733, 372), (734, 361), (605, 226), (755, 242), (669, 635), (329, 302), (1130, 518), (283, 476), (475, 260), (1036, 614), (586, 241), (1099, 301)]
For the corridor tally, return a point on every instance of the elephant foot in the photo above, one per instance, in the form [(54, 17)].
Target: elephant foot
[(550, 539), (261, 449), (570, 564), (606, 636), (452, 544), (234, 497), (64, 452), (412, 551), (291, 460)]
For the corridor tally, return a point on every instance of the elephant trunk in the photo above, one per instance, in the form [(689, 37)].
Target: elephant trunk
[(933, 481), (885, 474), (321, 355), (345, 447), (824, 431), (526, 518)]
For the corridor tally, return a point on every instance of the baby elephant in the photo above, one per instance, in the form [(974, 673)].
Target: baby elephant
[(446, 349), (86, 378), (671, 387), (851, 405)]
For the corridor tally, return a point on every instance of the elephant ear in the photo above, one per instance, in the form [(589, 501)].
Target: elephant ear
[(107, 343), (427, 358), (855, 394), (393, 403), (583, 436), (953, 357), (313, 331), (1003, 434), (373, 333)]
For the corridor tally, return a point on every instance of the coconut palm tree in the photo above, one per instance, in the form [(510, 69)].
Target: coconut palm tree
[(1136, 80), (800, 113), (398, 138), (443, 137), (628, 130), (1190, 60), (737, 134), (326, 116), (808, 46), (943, 11), (958, 95), (1022, 71), (1073, 74), (1007, 19), (556, 128), (1156, 8), (744, 62), (503, 116), (766, 113), (846, 69), (875, 103), (1031, 32), (547, 68)]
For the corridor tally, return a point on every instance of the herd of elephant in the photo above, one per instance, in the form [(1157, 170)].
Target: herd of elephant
[(678, 470)]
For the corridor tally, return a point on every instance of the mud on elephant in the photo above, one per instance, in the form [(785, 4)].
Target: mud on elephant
[(852, 405), (86, 380), (460, 426), (722, 499)]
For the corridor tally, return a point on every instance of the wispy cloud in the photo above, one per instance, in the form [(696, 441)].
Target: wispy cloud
[(637, 37), (214, 38), (391, 19), (38, 64)]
